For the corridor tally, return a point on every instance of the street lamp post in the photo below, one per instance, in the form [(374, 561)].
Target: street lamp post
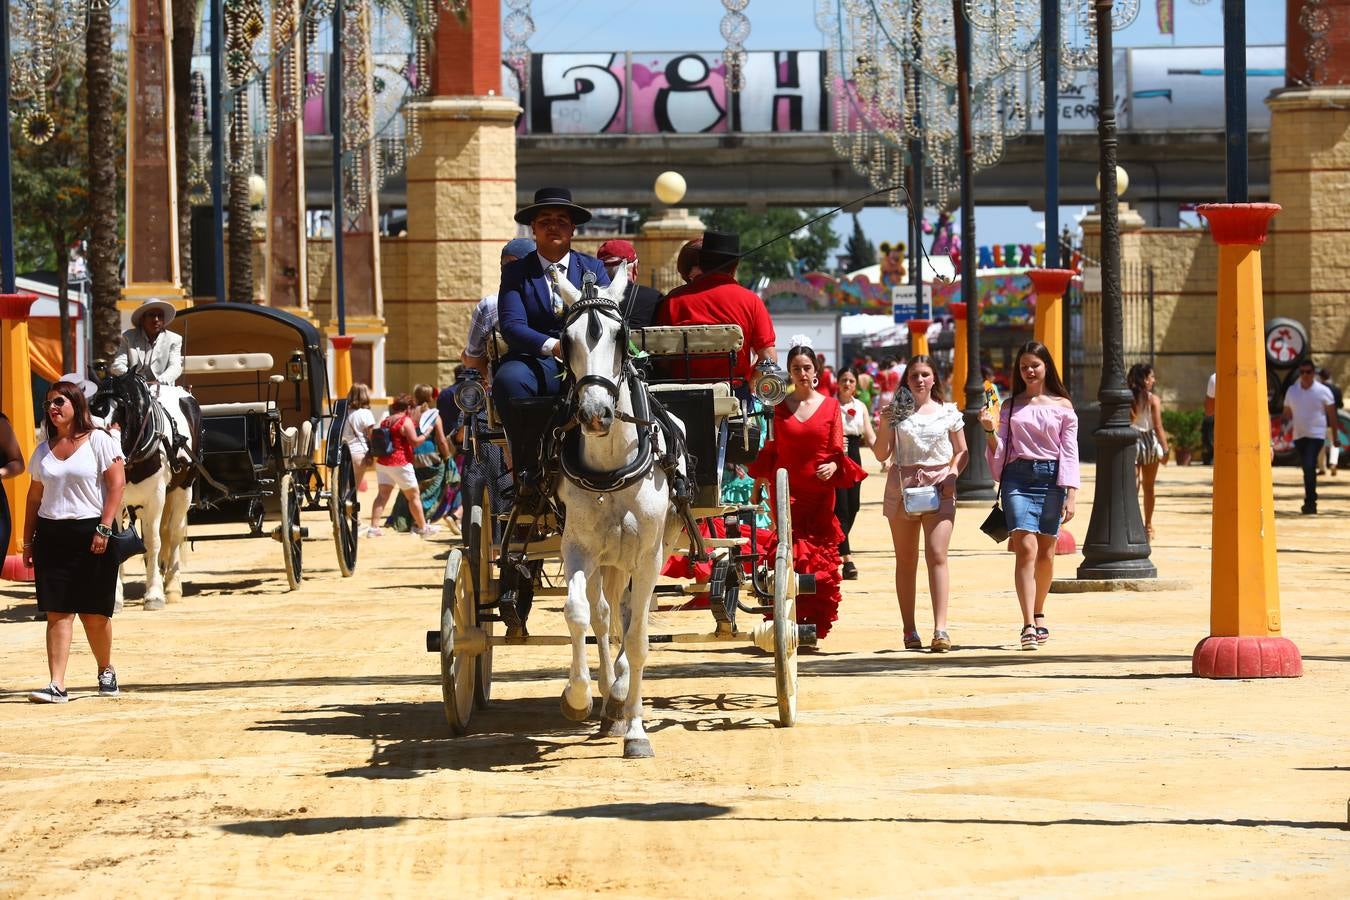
[(976, 481), (1115, 546)]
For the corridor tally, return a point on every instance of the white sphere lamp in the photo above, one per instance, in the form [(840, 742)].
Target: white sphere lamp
[(257, 190), (670, 188), (1122, 181)]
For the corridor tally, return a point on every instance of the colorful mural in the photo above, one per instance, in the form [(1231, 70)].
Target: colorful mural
[(1007, 299)]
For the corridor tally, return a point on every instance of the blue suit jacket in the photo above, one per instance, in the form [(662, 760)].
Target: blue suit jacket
[(525, 300)]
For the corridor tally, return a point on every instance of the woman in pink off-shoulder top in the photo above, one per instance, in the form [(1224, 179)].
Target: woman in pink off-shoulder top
[(1033, 451)]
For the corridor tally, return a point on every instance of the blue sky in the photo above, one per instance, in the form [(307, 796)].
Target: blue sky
[(579, 25)]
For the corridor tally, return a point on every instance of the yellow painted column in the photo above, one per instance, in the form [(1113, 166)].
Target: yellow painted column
[(1245, 638), (918, 336), (1050, 286), (16, 400), (959, 360), (342, 364)]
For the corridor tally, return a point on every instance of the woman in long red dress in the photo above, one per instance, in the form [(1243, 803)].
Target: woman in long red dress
[(808, 441)]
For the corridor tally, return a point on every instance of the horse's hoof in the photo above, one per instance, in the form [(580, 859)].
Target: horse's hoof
[(575, 714), (610, 727), (613, 708), (153, 603), (173, 596), (637, 748)]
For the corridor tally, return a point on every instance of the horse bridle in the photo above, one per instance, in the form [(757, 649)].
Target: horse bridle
[(594, 305)]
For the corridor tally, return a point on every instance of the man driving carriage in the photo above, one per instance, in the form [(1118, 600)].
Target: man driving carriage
[(148, 348), (530, 308)]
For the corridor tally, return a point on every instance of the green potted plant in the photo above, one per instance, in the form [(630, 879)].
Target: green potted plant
[(1183, 433)]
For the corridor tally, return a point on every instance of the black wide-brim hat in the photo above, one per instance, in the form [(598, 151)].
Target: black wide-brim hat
[(553, 196), (722, 243)]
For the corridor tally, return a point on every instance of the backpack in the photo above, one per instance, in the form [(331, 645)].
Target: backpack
[(381, 442)]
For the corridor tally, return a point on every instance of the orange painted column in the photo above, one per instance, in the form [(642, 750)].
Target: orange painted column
[(342, 364), (959, 360), (918, 336), (16, 399), (1050, 286), (1245, 639)]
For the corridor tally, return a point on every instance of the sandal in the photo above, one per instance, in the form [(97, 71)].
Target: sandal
[(1028, 638), (913, 641), (1042, 633), (941, 642)]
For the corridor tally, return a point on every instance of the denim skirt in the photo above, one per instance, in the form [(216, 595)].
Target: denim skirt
[(1033, 501)]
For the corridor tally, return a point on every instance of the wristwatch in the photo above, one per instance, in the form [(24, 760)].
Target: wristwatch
[(104, 530)]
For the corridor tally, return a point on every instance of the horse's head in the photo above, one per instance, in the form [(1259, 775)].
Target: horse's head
[(595, 349), (120, 397)]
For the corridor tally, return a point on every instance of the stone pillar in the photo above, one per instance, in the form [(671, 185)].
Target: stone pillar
[(662, 237), (461, 198), (285, 281), (1309, 279), (152, 179), (16, 399)]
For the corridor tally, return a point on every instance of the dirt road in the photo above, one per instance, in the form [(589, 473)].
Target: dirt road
[(272, 742)]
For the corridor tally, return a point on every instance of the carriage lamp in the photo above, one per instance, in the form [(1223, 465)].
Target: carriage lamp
[(470, 396), (769, 383), (295, 367)]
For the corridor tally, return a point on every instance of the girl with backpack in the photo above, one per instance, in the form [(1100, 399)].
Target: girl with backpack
[(392, 443)]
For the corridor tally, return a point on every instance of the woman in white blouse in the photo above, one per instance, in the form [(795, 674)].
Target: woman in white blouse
[(857, 433), (73, 502), (927, 446)]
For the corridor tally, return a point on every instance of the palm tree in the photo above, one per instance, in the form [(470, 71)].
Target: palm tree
[(186, 16), (240, 164), (104, 152)]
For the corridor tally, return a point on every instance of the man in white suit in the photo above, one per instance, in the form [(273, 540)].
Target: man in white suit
[(148, 348)]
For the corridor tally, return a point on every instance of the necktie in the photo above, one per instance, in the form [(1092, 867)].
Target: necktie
[(554, 273)]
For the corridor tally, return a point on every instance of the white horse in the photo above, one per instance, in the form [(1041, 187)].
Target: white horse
[(160, 434), (619, 513)]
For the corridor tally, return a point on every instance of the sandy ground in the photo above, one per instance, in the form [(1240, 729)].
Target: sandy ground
[(271, 741)]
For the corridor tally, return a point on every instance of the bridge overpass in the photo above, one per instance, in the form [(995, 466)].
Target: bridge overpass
[(605, 124)]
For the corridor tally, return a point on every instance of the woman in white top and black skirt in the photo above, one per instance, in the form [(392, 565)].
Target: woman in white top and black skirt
[(75, 497), (857, 432), (926, 440)]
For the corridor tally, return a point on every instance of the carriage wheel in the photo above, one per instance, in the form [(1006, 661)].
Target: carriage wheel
[(292, 547), (458, 673), (480, 549), (784, 607), (345, 511)]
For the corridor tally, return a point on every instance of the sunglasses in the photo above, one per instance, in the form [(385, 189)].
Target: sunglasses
[(58, 402)]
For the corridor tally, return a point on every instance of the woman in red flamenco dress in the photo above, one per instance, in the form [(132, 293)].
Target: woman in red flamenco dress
[(808, 441)]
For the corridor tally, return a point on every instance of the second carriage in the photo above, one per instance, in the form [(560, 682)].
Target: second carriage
[(271, 436), (505, 552)]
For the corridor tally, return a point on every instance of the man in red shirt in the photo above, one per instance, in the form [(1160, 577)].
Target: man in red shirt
[(716, 298)]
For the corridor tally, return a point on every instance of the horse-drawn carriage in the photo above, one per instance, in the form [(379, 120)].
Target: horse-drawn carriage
[(260, 378), (676, 431)]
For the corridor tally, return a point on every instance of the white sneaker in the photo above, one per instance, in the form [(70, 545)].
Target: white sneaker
[(373, 532), (426, 531), (107, 683)]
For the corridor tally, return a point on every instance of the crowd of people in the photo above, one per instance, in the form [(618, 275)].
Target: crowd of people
[(898, 409)]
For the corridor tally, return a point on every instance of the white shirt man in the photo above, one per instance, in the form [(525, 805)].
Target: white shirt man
[(1311, 406), (148, 348)]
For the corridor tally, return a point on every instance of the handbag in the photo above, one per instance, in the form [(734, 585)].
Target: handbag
[(921, 500), (1148, 449), (126, 543), (996, 523)]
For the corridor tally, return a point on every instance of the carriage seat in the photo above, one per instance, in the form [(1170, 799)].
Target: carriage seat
[(696, 340), (297, 442), (227, 363), (213, 410), (724, 403)]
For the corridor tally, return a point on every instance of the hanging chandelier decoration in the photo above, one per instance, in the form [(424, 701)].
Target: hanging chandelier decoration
[(518, 27), (893, 80), (47, 35), (735, 29)]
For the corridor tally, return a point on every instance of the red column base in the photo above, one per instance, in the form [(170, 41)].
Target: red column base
[(15, 570), (1065, 544), (1247, 657)]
